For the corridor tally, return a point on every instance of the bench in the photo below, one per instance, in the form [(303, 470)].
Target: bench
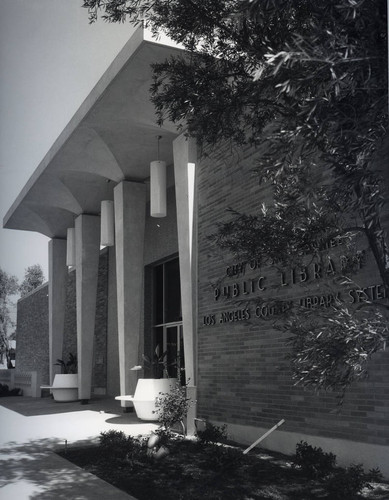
[(64, 388), (147, 390)]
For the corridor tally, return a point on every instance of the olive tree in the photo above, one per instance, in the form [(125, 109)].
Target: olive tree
[(304, 83)]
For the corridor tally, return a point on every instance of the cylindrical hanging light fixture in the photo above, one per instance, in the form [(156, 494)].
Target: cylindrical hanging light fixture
[(158, 188), (71, 247), (107, 233)]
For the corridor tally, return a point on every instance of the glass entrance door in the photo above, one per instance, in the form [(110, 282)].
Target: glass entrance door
[(169, 339), (168, 331)]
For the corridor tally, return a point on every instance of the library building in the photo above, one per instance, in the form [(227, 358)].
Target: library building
[(130, 208)]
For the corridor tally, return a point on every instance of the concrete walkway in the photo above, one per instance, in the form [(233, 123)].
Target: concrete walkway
[(31, 429)]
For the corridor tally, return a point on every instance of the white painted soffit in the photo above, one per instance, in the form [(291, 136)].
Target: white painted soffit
[(112, 137)]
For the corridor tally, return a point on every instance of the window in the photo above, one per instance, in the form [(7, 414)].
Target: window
[(167, 317), (167, 292)]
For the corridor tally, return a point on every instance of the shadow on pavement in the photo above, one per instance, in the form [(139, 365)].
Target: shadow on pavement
[(35, 472), (29, 407)]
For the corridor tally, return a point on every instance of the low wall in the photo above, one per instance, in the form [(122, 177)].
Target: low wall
[(28, 382)]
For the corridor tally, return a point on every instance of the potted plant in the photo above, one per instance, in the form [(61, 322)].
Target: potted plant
[(65, 384), (148, 389)]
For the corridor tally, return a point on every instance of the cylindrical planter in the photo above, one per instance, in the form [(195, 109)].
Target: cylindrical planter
[(146, 391), (65, 387)]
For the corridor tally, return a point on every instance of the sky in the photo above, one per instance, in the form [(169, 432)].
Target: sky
[(50, 59)]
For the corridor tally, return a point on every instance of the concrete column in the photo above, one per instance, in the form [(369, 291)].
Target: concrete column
[(113, 380), (184, 151), (58, 273), (87, 264), (130, 212)]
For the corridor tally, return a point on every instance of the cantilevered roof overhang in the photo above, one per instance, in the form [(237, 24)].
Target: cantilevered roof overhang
[(112, 137)]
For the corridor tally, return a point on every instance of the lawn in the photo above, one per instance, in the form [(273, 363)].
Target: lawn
[(210, 471)]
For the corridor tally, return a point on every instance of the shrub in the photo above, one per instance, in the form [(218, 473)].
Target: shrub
[(172, 407), (120, 445), (348, 482), (212, 433), (112, 438), (6, 391), (314, 461)]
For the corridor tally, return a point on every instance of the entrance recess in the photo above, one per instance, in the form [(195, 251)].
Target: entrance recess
[(169, 338), (167, 328)]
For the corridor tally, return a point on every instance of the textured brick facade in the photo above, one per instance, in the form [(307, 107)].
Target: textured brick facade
[(99, 377), (243, 375), (32, 341), (32, 334)]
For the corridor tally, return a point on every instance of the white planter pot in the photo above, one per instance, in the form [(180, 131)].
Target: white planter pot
[(65, 387), (147, 389)]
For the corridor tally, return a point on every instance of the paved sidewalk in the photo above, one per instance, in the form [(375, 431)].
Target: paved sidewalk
[(32, 428)]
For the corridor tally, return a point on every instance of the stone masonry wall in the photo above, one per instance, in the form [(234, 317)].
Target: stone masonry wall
[(70, 333), (100, 348), (32, 334), (243, 375), (32, 341)]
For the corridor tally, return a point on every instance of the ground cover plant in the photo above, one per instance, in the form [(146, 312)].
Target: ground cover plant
[(202, 469)]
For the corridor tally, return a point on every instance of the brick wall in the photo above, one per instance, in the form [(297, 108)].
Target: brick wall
[(243, 375), (32, 334), (100, 347), (32, 341), (70, 327)]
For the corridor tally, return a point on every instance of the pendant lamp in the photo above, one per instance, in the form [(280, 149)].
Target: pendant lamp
[(158, 187), (107, 229), (71, 247)]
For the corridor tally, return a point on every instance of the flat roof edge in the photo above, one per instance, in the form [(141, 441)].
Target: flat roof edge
[(138, 38)]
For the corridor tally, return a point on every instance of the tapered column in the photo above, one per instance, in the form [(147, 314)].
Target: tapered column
[(87, 264), (184, 150), (185, 158), (130, 209), (57, 301)]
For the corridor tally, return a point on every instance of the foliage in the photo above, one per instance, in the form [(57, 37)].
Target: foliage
[(222, 458), (8, 284), (116, 443), (172, 407), (350, 481), (8, 287), (193, 471), (5, 391), (33, 278), (339, 482), (313, 462), (157, 364), (331, 351), (165, 436), (212, 433), (304, 83), (69, 366), (112, 438)]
